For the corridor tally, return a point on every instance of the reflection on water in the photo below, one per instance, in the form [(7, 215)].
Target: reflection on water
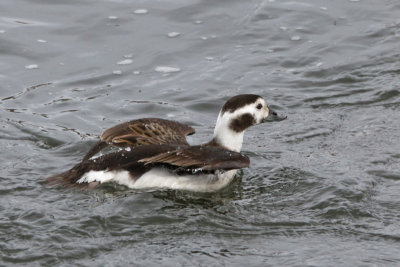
[(323, 185)]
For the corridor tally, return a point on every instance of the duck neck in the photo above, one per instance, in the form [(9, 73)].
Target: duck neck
[(225, 137)]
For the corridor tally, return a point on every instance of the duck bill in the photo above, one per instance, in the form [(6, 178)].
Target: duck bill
[(274, 116)]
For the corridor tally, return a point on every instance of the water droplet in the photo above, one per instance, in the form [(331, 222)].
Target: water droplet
[(31, 67), (125, 62), (141, 11)]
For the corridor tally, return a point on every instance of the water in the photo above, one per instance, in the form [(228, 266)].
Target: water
[(323, 186)]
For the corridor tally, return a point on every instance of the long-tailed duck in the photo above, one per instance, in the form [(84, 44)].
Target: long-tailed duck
[(156, 154)]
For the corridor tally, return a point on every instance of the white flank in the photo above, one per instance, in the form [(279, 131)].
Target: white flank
[(120, 177), (162, 178)]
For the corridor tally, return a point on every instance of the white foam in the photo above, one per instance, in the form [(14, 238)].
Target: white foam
[(112, 17), (41, 41), (173, 34), (125, 62), (166, 69), (117, 72), (31, 67), (295, 38), (141, 11)]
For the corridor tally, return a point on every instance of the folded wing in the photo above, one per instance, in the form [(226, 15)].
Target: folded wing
[(149, 131), (203, 158)]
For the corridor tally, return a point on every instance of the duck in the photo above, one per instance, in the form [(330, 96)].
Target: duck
[(154, 154)]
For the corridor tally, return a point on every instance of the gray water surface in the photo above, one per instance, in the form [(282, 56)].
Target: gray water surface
[(323, 187)]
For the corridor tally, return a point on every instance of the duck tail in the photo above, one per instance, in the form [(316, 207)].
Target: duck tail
[(69, 179)]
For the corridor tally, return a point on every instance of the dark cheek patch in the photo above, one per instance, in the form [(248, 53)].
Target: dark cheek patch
[(242, 123)]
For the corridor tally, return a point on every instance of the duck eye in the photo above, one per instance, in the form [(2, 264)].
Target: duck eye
[(259, 106)]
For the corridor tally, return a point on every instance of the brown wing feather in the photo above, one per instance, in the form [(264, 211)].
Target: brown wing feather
[(140, 132), (203, 157), (147, 132)]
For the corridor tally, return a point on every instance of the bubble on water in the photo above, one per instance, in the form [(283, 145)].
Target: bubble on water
[(166, 69), (209, 58), (319, 64), (270, 50), (41, 41), (128, 56), (31, 67), (295, 38), (204, 38), (283, 28), (125, 62), (323, 8), (141, 11), (117, 72), (136, 72), (112, 17), (173, 34), (198, 22)]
